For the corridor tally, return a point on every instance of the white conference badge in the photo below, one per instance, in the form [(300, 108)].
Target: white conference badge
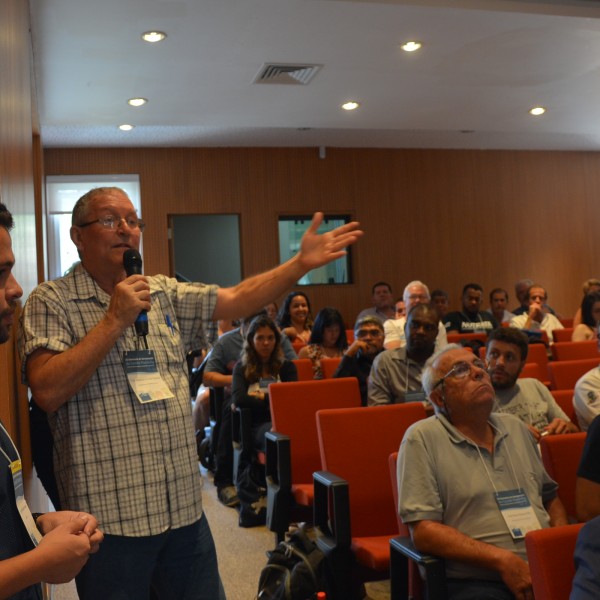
[(517, 512), (26, 516), (143, 376)]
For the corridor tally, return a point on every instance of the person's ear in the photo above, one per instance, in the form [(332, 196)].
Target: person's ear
[(436, 398), (76, 237)]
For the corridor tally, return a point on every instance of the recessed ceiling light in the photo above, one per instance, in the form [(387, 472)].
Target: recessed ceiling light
[(153, 36), (536, 111), (351, 105), (126, 127), (137, 101), (411, 46)]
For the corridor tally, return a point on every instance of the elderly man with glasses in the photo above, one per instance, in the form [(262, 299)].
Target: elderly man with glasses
[(471, 483), (118, 398)]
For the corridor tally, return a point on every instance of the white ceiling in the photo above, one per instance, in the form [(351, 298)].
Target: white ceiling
[(480, 70)]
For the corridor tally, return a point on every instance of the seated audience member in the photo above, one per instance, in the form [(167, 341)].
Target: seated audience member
[(471, 319), (528, 399), (586, 582), (456, 471), (400, 308), (589, 286), (383, 303), (359, 356), (272, 309), (498, 304), (586, 399), (218, 373), (327, 339), (262, 362), (587, 486), (295, 317), (589, 318), (521, 288), (396, 374), (416, 292), (441, 302), (537, 317)]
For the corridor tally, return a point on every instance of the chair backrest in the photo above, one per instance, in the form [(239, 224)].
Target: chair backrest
[(393, 464), (329, 365), (293, 408), (565, 373), (562, 335), (355, 444), (304, 366), (298, 344), (349, 336), (550, 556), (537, 353), (535, 371), (456, 338), (575, 350), (564, 398), (561, 455)]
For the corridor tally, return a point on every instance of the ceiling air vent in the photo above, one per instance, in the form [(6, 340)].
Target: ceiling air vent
[(286, 73)]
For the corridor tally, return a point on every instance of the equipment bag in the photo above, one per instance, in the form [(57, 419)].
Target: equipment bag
[(294, 570)]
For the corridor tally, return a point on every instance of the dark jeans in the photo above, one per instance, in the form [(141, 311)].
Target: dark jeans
[(180, 564), (477, 589)]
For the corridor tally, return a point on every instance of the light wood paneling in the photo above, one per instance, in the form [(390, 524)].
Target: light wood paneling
[(447, 217)]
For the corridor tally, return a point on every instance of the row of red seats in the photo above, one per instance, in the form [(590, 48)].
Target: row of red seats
[(348, 450)]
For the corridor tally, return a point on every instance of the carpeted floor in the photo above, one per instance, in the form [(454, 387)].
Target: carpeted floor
[(241, 552)]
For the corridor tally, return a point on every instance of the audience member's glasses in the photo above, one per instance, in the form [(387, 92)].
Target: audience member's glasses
[(363, 333), (111, 222), (429, 327), (414, 297), (461, 369)]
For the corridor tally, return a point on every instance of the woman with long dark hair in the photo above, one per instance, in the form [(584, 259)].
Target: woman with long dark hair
[(590, 316), (295, 317), (261, 363), (327, 339)]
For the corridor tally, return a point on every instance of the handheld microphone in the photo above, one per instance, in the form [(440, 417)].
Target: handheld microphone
[(132, 262)]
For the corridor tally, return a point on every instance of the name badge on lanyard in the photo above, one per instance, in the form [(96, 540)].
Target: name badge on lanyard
[(517, 512), (17, 475), (143, 376)]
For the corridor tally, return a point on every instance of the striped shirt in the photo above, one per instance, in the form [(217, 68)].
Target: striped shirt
[(132, 465)]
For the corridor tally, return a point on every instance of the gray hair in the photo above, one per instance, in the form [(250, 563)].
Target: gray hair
[(368, 320), (81, 208), (431, 375), (405, 294)]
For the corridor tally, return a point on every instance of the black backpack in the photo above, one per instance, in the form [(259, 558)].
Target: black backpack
[(294, 571)]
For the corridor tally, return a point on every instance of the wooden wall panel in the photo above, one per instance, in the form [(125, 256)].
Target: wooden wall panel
[(447, 217), (16, 191)]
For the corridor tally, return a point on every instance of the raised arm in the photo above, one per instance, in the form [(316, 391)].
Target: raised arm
[(316, 250), (433, 537)]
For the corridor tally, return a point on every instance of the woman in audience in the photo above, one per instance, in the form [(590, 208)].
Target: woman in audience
[(590, 316), (327, 339), (261, 363), (272, 310), (295, 318), (589, 286)]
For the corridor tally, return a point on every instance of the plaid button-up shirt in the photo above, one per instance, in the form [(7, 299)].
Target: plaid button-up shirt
[(132, 465)]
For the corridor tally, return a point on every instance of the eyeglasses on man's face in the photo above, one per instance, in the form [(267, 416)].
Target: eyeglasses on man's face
[(462, 369), (112, 222)]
